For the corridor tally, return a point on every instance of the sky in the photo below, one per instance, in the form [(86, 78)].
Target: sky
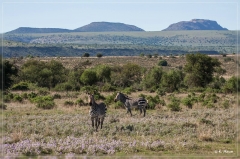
[(150, 15)]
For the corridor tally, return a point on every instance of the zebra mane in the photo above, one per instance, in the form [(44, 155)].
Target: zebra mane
[(126, 96)]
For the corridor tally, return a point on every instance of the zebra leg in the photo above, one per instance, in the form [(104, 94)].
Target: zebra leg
[(140, 110), (144, 112), (92, 122), (130, 111), (96, 123), (99, 119), (102, 122)]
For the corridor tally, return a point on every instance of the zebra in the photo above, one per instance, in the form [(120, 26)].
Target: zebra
[(97, 112), (129, 103)]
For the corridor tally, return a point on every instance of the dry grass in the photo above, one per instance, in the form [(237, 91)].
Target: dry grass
[(197, 131)]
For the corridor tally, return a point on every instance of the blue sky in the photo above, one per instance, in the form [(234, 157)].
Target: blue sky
[(150, 15)]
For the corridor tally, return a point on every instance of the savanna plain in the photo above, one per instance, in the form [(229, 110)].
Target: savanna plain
[(205, 128)]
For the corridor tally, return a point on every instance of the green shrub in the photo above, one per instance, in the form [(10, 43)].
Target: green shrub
[(128, 90), (17, 98), (43, 91), (162, 63), (161, 91), (7, 97), (68, 103), (152, 101), (43, 102), (142, 95), (39, 99), (99, 55), (118, 105), (149, 56), (175, 104), (24, 95), (32, 95), (57, 96), (46, 104), (227, 59), (109, 99), (151, 105), (187, 102), (108, 87), (80, 102), (20, 86), (225, 104)]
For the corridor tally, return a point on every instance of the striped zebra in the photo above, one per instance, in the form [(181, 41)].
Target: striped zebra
[(129, 103), (97, 112)]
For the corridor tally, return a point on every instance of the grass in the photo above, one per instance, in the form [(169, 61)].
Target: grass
[(66, 131)]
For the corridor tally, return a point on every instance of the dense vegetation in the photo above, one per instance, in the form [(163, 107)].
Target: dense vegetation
[(200, 71)]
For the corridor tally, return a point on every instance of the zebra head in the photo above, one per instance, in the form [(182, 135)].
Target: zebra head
[(90, 99)]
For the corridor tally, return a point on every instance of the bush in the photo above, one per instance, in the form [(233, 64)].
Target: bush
[(68, 103), (20, 86), (187, 102), (109, 99), (128, 90), (80, 102), (43, 91), (118, 105), (162, 63), (32, 95), (46, 104), (99, 55), (161, 91), (8, 97), (108, 88), (24, 95), (17, 98), (152, 101), (175, 104), (86, 55), (149, 56), (57, 96), (225, 104)]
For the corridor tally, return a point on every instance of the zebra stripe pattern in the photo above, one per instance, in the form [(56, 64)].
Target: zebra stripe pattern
[(129, 103), (97, 112)]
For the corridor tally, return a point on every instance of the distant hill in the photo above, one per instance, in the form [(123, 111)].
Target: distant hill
[(107, 26), (195, 24), (38, 30), (92, 27)]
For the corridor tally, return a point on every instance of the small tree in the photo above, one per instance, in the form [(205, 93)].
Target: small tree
[(86, 54), (162, 63), (200, 69), (99, 55), (88, 77)]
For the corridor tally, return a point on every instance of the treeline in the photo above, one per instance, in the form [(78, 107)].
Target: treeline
[(200, 73), (70, 51)]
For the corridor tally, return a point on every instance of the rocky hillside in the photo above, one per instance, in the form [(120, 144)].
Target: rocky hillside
[(195, 24), (107, 26)]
